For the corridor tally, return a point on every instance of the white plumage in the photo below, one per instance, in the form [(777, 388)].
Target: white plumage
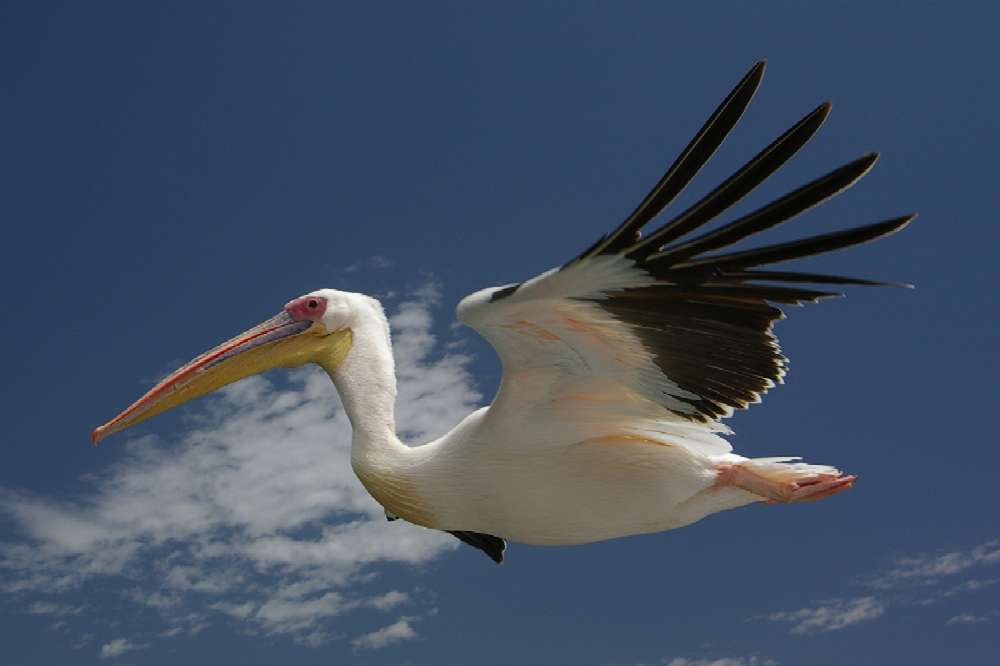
[(617, 368)]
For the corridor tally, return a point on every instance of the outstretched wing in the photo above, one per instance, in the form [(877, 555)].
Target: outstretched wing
[(662, 327)]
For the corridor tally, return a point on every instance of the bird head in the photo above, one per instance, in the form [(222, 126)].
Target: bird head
[(315, 328)]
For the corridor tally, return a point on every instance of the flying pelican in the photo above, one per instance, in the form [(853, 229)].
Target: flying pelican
[(618, 367)]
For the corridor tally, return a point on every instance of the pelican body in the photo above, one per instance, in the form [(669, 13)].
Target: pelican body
[(618, 367)]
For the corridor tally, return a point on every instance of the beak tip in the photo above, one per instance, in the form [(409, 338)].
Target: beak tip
[(97, 435)]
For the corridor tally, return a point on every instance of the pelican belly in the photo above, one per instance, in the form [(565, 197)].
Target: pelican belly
[(593, 490)]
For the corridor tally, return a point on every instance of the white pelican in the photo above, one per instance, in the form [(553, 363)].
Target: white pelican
[(617, 368)]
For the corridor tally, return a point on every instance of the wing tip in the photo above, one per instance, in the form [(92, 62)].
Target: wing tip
[(893, 225), (823, 109), (753, 78)]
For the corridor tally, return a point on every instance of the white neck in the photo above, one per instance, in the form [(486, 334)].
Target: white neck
[(366, 381)]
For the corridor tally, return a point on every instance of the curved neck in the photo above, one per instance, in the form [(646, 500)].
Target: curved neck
[(366, 382)]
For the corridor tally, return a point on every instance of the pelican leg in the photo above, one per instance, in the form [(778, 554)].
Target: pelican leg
[(781, 488)]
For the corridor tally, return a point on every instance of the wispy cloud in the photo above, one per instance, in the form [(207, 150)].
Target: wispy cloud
[(49, 608), (375, 262), (251, 516), (896, 583), (971, 585), (930, 569), (829, 615), (400, 630), (389, 600), (118, 647), (752, 660), (936, 577), (966, 618)]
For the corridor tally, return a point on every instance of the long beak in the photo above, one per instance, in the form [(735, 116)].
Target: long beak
[(279, 341)]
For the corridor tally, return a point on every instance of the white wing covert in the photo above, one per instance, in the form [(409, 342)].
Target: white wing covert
[(650, 333)]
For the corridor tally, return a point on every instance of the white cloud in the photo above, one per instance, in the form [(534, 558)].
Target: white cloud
[(389, 600), (400, 630), (752, 660), (376, 262), (49, 608), (252, 515), (830, 615), (971, 585), (966, 618), (118, 647), (929, 569), (380, 262)]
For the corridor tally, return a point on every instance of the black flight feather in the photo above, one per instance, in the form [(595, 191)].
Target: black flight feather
[(813, 278), (684, 168), (737, 186), (778, 211), (494, 547), (800, 248), (707, 321)]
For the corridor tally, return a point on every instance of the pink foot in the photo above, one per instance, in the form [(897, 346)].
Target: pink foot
[(805, 488)]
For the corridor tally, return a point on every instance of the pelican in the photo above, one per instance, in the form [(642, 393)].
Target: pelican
[(618, 368)]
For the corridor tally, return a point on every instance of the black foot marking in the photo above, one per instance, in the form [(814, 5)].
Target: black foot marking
[(493, 546)]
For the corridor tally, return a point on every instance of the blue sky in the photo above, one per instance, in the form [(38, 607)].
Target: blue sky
[(175, 173)]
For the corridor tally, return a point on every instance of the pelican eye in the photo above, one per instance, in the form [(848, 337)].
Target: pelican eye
[(312, 304)]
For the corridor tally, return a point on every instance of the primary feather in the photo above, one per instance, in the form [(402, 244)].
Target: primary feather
[(704, 320)]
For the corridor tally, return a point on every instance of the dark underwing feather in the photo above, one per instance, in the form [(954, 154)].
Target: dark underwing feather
[(737, 186), (494, 547), (773, 214), (805, 247), (503, 292), (812, 278), (707, 322)]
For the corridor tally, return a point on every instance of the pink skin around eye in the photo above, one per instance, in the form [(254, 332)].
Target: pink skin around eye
[(306, 308)]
